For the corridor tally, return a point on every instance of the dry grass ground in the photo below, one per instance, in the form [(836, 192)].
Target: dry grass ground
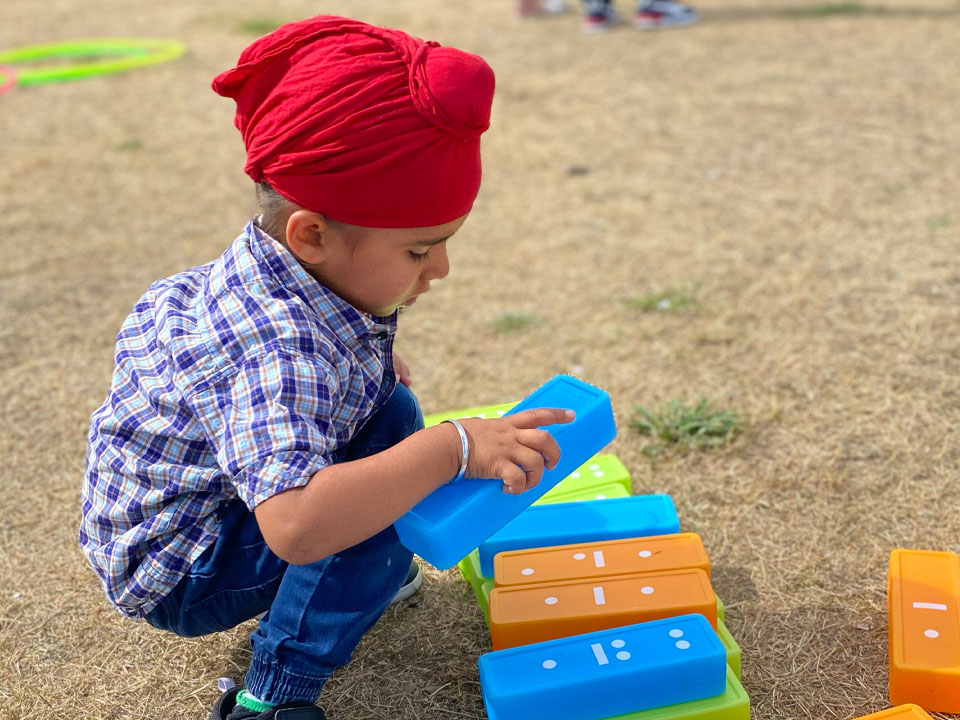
[(798, 164)]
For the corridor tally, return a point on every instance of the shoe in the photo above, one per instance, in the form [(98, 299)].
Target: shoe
[(410, 585), (530, 8), (599, 17), (227, 709), (661, 14)]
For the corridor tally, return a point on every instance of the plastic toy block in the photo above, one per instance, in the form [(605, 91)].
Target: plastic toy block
[(599, 471), (470, 568), (487, 411), (579, 522), (734, 704), (721, 610), (606, 673), (527, 614), (600, 559), (454, 519), (729, 643), (901, 712), (733, 649), (595, 492), (923, 594)]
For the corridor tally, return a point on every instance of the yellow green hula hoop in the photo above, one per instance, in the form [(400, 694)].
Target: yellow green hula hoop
[(94, 57)]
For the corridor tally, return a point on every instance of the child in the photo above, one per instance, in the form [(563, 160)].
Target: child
[(600, 15), (255, 447)]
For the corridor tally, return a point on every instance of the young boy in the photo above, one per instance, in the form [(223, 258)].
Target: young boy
[(255, 447), (601, 15)]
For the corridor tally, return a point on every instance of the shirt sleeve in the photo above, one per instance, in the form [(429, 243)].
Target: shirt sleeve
[(270, 421)]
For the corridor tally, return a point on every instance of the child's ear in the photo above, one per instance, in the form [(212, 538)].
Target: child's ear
[(308, 236)]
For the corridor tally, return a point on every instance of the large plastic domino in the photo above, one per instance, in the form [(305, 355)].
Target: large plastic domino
[(526, 614), (606, 673), (600, 559), (576, 522), (734, 704), (486, 411), (600, 471), (483, 589), (901, 712), (923, 592), (454, 519)]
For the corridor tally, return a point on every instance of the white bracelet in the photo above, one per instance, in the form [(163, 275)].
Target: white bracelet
[(464, 451)]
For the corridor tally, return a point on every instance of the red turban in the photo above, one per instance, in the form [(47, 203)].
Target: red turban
[(366, 125)]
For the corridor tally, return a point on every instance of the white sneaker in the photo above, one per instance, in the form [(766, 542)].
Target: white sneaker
[(410, 585), (530, 8), (661, 14)]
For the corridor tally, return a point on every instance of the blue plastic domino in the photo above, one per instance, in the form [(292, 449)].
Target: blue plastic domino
[(606, 673), (585, 521), (453, 520)]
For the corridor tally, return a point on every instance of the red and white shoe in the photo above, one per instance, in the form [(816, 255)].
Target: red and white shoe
[(661, 14), (531, 8), (600, 21)]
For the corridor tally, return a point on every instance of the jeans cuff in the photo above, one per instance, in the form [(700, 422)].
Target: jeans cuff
[(270, 682)]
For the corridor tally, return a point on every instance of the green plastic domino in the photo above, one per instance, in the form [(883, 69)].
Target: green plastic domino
[(596, 492), (734, 704), (721, 610), (733, 649), (600, 470), (486, 411)]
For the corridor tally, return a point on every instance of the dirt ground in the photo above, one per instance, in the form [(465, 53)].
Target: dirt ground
[(793, 165)]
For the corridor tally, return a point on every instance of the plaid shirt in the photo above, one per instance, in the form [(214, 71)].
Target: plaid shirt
[(239, 378)]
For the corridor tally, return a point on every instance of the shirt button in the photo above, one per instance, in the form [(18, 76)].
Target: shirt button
[(383, 335)]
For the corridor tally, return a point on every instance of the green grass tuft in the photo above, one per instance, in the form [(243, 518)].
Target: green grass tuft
[(829, 9), (258, 26), (938, 222), (697, 428), (515, 322), (670, 300)]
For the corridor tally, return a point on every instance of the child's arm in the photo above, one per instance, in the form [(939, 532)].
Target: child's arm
[(347, 503)]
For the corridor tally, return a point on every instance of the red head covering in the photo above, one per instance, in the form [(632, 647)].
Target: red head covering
[(366, 125)]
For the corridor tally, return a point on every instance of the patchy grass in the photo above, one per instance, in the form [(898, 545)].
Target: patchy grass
[(830, 9), (938, 222), (699, 427), (671, 300), (130, 144), (258, 26), (512, 322)]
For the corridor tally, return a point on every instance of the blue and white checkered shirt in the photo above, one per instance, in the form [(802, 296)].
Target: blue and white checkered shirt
[(239, 378)]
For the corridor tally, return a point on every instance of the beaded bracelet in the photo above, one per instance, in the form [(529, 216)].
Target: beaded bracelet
[(464, 451)]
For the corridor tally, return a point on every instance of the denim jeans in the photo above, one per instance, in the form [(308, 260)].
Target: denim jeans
[(316, 613)]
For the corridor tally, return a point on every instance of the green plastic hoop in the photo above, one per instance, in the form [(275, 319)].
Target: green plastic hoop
[(111, 55), (8, 78)]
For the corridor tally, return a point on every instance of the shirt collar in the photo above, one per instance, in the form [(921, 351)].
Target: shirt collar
[(318, 297)]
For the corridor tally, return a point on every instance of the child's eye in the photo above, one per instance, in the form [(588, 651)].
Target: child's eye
[(419, 257)]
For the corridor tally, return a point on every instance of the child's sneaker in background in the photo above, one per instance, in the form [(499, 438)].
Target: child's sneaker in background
[(530, 8), (599, 17), (664, 14)]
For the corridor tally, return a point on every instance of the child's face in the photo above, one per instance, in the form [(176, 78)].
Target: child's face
[(379, 269)]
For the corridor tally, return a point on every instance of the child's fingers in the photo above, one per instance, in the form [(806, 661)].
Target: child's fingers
[(543, 443), (539, 417), (514, 478)]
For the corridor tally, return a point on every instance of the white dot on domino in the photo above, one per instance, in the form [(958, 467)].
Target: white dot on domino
[(931, 633), (618, 643), (574, 474), (646, 590), (527, 571), (549, 664), (594, 466), (682, 644), (623, 655), (676, 632), (644, 553), (550, 600), (578, 556), (598, 473), (501, 412)]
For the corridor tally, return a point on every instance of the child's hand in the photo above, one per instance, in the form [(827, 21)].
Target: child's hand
[(512, 448), (401, 370)]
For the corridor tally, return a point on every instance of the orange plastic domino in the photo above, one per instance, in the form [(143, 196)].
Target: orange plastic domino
[(603, 558), (923, 592), (531, 613), (901, 712)]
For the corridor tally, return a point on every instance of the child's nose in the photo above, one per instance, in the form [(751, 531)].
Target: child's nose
[(440, 264)]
